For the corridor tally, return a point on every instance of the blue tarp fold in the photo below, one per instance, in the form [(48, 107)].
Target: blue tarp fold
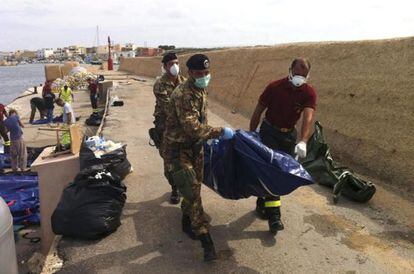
[(21, 194)]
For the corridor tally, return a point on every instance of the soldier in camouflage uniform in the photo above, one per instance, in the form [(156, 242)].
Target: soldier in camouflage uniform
[(186, 130), (163, 88)]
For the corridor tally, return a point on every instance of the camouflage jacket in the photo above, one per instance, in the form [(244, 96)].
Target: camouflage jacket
[(187, 116), (163, 88)]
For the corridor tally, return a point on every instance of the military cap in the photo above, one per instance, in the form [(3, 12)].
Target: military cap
[(168, 57), (198, 62)]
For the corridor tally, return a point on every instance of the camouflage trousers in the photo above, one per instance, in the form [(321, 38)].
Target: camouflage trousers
[(186, 164), (167, 164)]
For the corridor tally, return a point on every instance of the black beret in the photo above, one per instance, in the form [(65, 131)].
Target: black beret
[(198, 62), (168, 57)]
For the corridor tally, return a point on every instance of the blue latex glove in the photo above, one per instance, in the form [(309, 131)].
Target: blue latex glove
[(228, 133)]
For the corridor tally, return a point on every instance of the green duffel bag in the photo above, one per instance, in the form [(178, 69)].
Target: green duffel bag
[(324, 170)]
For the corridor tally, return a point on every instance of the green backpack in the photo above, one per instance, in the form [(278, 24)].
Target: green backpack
[(324, 170)]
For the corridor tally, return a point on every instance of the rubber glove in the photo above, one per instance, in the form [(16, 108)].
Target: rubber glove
[(227, 134), (300, 149)]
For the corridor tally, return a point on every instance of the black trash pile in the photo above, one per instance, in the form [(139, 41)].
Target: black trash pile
[(95, 119), (91, 206)]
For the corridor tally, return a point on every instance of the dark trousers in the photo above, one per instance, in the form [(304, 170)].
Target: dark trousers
[(33, 112), (94, 101), (49, 115), (277, 140)]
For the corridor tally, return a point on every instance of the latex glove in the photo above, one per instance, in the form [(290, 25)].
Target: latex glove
[(300, 149), (227, 134)]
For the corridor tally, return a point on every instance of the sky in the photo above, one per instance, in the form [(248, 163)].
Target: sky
[(34, 24)]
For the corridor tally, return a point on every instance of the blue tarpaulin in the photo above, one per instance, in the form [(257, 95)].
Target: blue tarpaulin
[(21, 193), (244, 167)]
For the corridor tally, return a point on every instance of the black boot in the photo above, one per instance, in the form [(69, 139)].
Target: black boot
[(175, 196), (187, 229), (275, 224), (208, 246), (260, 209)]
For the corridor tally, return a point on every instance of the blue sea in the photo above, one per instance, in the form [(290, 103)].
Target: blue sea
[(16, 79)]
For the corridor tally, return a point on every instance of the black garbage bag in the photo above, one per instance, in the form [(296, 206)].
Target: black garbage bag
[(93, 120), (115, 161), (33, 153), (244, 167), (91, 206), (87, 157), (320, 164)]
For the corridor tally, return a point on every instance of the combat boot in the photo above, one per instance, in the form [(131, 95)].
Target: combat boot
[(175, 196), (208, 246), (275, 224), (187, 229)]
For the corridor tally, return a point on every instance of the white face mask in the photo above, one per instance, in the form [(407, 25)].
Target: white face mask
[(174, 70), (297, 80), (163, 70)]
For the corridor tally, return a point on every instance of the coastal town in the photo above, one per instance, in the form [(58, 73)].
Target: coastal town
[(88, 55)]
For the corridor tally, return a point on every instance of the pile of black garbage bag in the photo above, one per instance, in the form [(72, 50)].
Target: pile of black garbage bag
[(95, 119), (326, 171), (91, 206)]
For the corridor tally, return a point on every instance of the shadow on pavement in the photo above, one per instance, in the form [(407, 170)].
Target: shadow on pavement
[(162, 247)]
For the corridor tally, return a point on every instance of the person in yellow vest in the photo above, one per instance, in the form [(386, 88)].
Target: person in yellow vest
[(66, 94)]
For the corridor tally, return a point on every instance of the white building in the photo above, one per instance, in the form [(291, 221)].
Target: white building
[(129, 47), (5, 55), (127, 54), (44, 53)]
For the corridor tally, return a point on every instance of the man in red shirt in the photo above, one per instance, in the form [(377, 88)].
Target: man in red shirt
[(3, 131), (284, 100), (93, 96)]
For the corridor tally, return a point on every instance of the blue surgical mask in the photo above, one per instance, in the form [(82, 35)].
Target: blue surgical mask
[(203, 81)]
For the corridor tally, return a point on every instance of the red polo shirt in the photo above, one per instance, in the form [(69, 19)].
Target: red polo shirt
[(93, 88), (285, 103), (2, 112)]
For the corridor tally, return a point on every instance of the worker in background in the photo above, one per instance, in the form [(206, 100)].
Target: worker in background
[(284, 100), (18, 151), (163, 87), (3, 130), (49, 98), (68, 120), (68, 114), (186, 130), (66, 94), (93, 94), (37, 103)]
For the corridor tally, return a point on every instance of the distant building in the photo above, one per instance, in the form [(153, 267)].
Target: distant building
[(28, 55), (61, 53), (149, 52), (127, 54), (129, 47), (4, 55), (45, 53), (76, 51)]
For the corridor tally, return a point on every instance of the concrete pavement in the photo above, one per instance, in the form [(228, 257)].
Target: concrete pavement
[(319, 237)]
